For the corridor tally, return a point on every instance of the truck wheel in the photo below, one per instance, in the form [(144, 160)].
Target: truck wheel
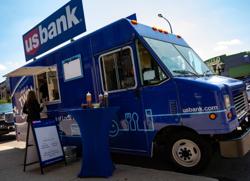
[(188, 152)]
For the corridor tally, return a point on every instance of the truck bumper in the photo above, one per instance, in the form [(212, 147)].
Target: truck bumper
[(237, 147)]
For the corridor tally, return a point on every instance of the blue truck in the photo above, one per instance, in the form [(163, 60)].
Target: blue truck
[(168, 98)]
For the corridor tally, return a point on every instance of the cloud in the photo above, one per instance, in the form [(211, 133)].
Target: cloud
[(2, 67), (224, 45), (9, 66), (230, 42), (15, 64)]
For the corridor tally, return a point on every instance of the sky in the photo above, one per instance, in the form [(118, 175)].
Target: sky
[(210, 27)]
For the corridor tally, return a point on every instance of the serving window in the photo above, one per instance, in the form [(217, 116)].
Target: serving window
[(118, 72), (47, 86)]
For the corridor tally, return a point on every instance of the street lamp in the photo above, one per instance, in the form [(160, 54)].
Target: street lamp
[(161, 16)]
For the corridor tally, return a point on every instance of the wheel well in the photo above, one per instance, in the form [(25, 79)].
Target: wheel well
[(161, 136)]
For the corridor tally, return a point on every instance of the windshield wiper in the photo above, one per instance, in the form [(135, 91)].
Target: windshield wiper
[(185, 72)]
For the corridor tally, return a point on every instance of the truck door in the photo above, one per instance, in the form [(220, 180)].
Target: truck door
[(158, 92), (118, 77)]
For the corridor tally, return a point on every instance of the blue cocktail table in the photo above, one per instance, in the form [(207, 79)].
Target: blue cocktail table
[(94, 126)]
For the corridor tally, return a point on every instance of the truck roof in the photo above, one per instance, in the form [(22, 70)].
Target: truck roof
[(159, 34), (140, 29), (116, 33)]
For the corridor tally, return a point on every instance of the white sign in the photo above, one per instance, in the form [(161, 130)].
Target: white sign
[(32, 155), (48, 143)]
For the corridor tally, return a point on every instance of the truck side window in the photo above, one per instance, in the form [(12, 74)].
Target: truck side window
[(118, 70), (151, 72)]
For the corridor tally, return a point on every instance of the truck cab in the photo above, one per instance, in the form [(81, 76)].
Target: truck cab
[(169, 98)]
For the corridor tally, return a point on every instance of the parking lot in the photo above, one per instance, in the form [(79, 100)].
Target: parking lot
[(11, 168), (220, 168), (128, 167)]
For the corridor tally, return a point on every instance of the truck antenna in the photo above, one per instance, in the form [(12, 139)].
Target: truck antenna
[(161, 16)]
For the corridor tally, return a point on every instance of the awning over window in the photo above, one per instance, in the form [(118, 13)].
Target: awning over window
[(29, 71)]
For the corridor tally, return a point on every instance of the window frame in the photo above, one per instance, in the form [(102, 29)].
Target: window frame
[(100, 62), (75, 57), (58, 101), (139, 65)]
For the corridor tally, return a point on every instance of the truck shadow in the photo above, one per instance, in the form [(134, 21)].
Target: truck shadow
[(228, 169), (7, 137), (140, 161), (221, 168)]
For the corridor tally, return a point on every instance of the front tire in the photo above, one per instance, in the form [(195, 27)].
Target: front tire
[(188, 152)]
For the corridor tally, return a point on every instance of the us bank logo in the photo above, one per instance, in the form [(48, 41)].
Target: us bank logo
[(62, 25), (41, 35)]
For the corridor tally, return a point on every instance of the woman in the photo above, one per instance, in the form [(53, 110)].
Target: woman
[(32, 107)]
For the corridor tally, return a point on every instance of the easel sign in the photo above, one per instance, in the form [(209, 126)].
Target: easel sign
[(47, 143)]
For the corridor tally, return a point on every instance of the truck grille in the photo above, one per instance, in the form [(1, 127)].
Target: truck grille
[(241, 104)]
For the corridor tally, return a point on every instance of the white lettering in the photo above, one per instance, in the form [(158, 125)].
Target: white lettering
[(35, 41), (60, 25), (28, 45), (43, 32), (52, 30), (200, 109), (71, 18), (61, 21)]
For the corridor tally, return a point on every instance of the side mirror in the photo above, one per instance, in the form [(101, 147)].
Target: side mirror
[(149, 75)]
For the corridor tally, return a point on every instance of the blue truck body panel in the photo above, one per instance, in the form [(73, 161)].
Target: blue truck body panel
[(178, 101)]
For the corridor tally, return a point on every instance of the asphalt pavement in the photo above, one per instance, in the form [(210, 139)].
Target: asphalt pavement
[(223, 169), (11, 168), (128, 167)]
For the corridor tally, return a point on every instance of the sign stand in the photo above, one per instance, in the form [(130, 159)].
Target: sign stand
[(30, 143), (43, 144)]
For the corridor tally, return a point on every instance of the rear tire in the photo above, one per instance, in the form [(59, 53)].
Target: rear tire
[(188, 152)]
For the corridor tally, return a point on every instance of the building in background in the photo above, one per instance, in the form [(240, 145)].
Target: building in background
[(5, 90), (235, 66)]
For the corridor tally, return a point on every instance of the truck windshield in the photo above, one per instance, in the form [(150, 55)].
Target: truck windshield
[(180, 60)]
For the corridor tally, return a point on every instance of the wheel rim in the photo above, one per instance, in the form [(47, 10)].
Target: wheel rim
[(186, 153)]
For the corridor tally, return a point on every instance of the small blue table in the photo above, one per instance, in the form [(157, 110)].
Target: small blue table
[(94, 126)]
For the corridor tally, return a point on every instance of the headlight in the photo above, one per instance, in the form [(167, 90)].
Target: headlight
[(227, 101)]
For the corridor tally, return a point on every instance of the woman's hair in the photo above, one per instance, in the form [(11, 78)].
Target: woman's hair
[(31, 97)]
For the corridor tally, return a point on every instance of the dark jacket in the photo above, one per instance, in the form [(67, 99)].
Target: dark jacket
[(33, 110)]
